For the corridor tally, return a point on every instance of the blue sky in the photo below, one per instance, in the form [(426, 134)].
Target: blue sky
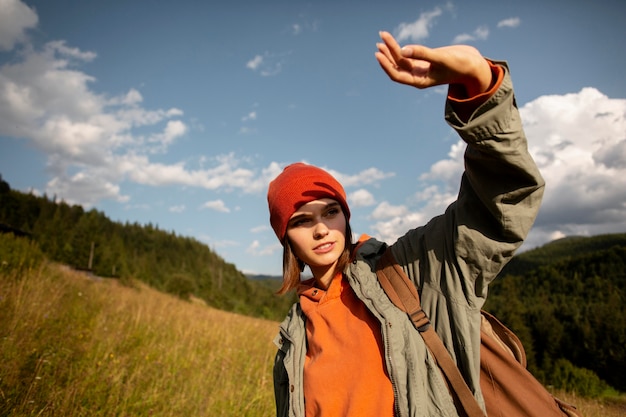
[(180, 113)]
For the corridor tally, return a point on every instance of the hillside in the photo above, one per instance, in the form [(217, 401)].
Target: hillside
[(566, 302), (562, 249), (72, 346), (179, 265)]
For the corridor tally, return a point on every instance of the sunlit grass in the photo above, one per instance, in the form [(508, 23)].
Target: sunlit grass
[(614, 406), (71, 346)]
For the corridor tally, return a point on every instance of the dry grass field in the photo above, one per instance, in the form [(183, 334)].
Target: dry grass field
[(75, 346)]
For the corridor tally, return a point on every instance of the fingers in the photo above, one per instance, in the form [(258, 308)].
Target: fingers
[(392, 46), (384, 50), (386, 63), (395, 62)]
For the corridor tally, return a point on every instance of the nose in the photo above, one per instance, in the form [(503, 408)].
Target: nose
[(320, 231)]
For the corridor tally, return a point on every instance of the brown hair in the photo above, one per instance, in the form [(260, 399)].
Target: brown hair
[(292, 266)]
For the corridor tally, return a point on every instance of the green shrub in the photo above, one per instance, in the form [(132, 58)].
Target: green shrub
[(18, 254), (581, 381), (181, 285)]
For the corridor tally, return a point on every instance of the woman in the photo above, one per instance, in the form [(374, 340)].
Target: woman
[(344, 348)]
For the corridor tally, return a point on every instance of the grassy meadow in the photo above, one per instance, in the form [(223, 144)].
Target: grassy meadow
[(74, 346)]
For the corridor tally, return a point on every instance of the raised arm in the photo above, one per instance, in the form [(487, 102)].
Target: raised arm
[(501, 187)]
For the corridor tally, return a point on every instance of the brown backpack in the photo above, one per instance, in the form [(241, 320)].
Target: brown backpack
[(508, 388)]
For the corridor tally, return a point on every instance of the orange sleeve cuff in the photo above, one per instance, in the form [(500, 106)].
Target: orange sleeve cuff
[(465, 106)]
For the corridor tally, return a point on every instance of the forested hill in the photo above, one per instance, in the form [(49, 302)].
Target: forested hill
[(562, 249), (175, 264), (567, 302)]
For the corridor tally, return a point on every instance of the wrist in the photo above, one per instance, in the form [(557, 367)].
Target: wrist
[(477, 81), (464, 105)]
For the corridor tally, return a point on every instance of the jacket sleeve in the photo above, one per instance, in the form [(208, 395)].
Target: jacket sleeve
[(499, 197)]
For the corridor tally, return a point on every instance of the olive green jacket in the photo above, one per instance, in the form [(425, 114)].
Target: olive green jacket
[(452, 260)]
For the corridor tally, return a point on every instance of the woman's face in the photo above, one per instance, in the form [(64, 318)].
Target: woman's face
[(317, 233)]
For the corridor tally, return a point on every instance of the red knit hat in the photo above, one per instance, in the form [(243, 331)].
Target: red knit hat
[(297, 185)]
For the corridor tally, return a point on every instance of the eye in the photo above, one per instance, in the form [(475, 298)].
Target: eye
[(333, 211), (299, 221)]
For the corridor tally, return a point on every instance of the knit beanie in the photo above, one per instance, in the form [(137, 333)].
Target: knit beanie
[(297, 185)]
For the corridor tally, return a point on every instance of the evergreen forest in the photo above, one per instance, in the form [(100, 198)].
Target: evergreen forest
[(179, 265), (565, 300)]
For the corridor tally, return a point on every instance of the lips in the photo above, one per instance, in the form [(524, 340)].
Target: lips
[(324, 247)]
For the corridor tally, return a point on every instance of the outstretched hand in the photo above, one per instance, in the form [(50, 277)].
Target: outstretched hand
[(423, 67)]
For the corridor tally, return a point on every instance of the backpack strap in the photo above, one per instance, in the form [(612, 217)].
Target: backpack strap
[(402, 292)]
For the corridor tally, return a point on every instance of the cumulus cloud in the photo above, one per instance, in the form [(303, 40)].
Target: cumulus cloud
[(511, 22), (386, 211), (217, 205), (250, 116), (361, 198), (367, 176), (260, 229), (267, 64), (177, 209), (481, 33), (256, 249), (94, 142), (47, 100), (255, 62), (16, 18), (173, 130), (579, 143), (419, 29)]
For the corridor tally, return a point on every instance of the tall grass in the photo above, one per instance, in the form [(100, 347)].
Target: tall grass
[(608, 406), (73, 346)]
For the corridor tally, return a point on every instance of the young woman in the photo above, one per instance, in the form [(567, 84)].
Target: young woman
[(344, 348)]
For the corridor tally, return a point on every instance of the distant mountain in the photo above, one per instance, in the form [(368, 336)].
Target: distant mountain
[(561, 249), (567, 301)]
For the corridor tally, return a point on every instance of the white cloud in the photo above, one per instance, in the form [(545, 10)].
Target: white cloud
[(481, 33), (260, 229), (511, 22), (361, 198), (217, 205), (389, 230), (173, 130), (367, 176), (419, 29), (255, 62), (62, 49), (15, 18), (579, 143), (267, 65), (177, 209), (94, 142), (250, 116), (386, 211), (255, 249)]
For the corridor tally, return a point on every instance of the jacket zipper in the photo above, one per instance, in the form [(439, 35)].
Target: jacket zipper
[(396, 406)]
